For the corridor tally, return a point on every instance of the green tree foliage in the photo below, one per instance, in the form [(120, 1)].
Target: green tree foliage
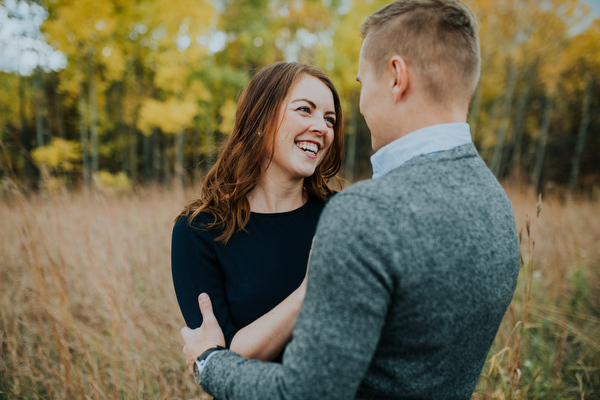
[(150, 87)]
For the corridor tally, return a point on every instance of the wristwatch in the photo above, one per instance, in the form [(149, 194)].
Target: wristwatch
[(200, 362)]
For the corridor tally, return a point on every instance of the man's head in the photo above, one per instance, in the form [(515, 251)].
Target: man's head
[(419, 65), (438, 40)]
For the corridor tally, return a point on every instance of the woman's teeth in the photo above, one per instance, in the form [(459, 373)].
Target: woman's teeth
[(308, 147)]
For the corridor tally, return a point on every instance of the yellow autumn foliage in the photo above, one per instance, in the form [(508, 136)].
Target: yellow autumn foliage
[(227, 116), (170, 116), (59, 156), (112, 184)]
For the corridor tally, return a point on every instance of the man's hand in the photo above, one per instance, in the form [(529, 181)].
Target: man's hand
[(197, 341)]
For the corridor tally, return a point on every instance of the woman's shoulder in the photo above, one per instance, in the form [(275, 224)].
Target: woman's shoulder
[(198, 224)]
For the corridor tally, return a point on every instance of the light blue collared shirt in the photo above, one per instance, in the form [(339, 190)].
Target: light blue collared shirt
[(431, 139)]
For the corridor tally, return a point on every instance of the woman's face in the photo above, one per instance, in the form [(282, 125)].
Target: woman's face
[(305, 131)]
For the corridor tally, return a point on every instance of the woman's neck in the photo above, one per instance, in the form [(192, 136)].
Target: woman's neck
[(270, 196)]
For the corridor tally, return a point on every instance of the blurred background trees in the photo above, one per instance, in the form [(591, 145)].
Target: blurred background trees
[(144, 91)]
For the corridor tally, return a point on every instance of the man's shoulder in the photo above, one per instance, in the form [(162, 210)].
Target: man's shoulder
[(361, 191)]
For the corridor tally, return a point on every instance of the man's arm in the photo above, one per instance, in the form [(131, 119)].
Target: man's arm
[(196, 269), (340, 322)]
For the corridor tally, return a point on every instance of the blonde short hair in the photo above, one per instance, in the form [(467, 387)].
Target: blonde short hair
[(437, 38)]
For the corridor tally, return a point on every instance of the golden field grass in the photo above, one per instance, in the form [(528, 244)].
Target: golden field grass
[(88, 309)]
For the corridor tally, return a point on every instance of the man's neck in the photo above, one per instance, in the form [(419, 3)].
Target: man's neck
[(402, 126)]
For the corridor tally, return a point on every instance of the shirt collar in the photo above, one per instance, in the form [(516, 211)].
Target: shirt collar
[(431, 139)]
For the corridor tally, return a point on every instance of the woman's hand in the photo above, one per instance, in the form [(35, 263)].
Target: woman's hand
[(197, 341)]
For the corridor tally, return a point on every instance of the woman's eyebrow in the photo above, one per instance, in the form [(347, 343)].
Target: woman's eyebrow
[(313, 105)]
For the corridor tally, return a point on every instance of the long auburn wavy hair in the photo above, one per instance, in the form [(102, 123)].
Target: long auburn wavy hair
[(238, 168)]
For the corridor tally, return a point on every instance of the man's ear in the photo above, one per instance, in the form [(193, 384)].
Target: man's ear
[(399, 83)]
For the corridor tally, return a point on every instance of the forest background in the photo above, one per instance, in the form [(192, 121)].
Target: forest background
[(112, 111), (145, 91)]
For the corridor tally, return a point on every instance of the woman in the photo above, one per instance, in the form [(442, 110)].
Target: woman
[(246, 240)]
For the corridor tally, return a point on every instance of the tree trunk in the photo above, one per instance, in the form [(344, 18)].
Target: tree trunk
[(38, 96), (496, 162), (167, 165), (156, 153), (519, 124), (210, 147), (179, 146), (585, 121), (133, 159), (60, 125), (22, 104), (26, 141), (135, 89), (39, 110), (350, 164), (147, 151), (83, 132), (542, 143), (121, 126), (93, 95)]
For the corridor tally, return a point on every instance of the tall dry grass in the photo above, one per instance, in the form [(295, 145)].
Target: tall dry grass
[(548, 346), (88, 309)]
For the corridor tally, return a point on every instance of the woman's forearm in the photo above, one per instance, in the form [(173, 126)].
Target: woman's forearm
[(266, 337)]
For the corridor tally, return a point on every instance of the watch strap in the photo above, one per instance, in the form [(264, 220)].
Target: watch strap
[(201, 361)]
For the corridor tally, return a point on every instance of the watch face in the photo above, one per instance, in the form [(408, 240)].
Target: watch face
[(196, 372)]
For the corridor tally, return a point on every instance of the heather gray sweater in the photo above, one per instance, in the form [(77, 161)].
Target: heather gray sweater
[(409, 279)]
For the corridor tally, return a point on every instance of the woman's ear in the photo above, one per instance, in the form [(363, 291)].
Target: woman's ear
[(399, 82)]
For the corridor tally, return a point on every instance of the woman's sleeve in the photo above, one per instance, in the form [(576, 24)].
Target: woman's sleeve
[(196, 270)]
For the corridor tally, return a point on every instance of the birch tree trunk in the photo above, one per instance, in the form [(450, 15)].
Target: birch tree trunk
[(133, 134), (121, 127), (496, 162), (39, 118), (167, 166), (83, 132), (519, 124), (29, 167), (147, 156), (60, 125), (156, 153), (39, 112), (133, 156), (542, 143), (93, 103), (585, 121), (22, 111), (179, 146)]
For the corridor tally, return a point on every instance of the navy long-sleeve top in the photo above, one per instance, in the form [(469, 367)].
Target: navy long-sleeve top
[(251, 274)]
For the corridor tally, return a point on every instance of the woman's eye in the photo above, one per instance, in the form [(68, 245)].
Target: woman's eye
[(330, 120), (304, 109)]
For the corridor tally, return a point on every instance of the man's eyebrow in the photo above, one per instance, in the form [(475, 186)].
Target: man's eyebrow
[(312, 104)]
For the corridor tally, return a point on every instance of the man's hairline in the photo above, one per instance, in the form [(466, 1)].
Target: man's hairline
[(378, 67)]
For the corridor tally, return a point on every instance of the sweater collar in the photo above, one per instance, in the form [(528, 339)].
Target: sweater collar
[(429, 140)]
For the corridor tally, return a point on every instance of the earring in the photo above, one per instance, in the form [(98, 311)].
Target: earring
[(259, 133)]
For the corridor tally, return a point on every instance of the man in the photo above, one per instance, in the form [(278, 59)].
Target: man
[(411, 272)]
